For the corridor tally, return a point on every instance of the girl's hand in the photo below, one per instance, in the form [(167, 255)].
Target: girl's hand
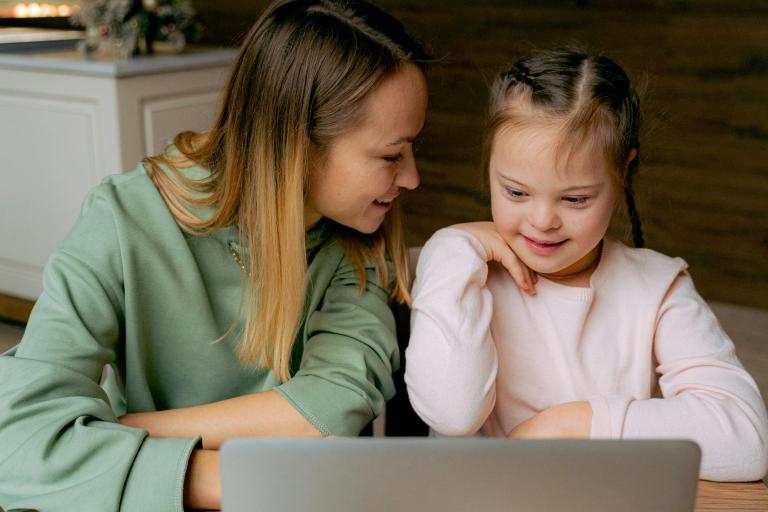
[(571, 420), (498, 251)]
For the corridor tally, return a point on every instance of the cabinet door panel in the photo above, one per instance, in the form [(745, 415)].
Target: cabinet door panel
[(50, 159), (165, 117)]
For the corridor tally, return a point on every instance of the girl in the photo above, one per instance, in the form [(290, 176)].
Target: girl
[(613, 342), (237, 285)]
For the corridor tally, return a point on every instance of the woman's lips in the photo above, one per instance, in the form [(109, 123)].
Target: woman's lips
[(541, 247), (383, 206)]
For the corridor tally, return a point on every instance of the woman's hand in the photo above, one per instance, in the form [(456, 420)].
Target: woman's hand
[(571, 420), (498, 250)]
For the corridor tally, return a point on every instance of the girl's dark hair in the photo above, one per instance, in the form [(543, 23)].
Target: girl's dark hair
[(590, 94)]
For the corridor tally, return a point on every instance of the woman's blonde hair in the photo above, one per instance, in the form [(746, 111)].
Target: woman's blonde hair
[(300, 80)]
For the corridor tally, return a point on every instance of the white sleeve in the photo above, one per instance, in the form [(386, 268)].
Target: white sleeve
[(450, 367), (708, 396)]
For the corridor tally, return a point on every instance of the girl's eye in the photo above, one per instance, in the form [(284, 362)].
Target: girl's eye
[(393, 158), (515, 194), (576, 200)]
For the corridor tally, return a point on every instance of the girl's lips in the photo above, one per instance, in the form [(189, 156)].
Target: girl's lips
[(543, 248)]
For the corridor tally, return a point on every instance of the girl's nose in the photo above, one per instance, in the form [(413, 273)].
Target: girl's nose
[(407, 174), (544, 216)]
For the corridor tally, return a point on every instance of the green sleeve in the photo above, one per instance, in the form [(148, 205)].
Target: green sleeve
[(61, 447), (351, 350)]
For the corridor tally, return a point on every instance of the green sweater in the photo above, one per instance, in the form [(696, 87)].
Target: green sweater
[(127, 288)]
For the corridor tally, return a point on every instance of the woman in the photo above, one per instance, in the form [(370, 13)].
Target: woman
[(238, 284)]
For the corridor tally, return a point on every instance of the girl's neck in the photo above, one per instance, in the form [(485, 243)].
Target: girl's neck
[(579, 273)]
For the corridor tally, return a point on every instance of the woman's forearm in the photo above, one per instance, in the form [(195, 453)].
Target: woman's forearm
[(258, 414), (202, 485)]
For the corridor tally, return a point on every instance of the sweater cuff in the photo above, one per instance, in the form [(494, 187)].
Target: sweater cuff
[(608, 415), (156, 479), (332, 409)]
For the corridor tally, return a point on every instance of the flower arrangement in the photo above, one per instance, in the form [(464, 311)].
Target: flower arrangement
[(133, 26)]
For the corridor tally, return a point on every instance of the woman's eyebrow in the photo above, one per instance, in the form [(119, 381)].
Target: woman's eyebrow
[(410, 140), (401, 140)]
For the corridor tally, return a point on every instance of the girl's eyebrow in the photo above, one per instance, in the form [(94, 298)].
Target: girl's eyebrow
[(583, 187), (574, 188), (507, 178)]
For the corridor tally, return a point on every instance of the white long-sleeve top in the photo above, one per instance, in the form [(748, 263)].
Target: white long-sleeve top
[(640, 344)]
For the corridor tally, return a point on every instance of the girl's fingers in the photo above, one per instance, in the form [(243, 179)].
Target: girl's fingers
[(519, 272)]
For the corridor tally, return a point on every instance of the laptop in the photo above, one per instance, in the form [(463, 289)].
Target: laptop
[(458, 475)]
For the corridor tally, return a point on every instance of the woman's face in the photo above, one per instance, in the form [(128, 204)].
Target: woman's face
[(362, 172)]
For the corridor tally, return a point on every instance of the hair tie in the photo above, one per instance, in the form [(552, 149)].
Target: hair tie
[(519, 75)]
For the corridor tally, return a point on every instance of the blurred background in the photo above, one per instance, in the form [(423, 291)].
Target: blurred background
[(703, 185)]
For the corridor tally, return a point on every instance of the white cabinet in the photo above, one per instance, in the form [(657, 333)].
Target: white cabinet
[(65, 123)]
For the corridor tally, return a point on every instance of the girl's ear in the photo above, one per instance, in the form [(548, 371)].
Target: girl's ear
[(631, 156)]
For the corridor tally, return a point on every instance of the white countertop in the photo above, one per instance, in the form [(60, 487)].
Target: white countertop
[(10, 35), (73, 62)]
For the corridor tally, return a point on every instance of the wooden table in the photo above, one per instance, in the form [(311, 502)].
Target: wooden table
[(731, 497)]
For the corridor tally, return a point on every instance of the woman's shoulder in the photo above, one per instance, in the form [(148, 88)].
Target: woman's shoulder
[(126, 206), (135, 190), (127, 194)]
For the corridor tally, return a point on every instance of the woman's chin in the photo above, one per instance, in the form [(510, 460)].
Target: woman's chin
[(364, 226)]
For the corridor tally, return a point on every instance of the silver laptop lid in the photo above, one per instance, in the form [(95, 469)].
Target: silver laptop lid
[(458, 474)]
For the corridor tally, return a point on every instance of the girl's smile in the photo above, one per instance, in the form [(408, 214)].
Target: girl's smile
[(542, 247)]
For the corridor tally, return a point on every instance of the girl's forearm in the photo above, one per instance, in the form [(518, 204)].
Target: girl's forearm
[(571, 420), (254, 415)]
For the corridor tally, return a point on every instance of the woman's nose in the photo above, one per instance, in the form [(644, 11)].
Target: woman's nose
[(407, 175)]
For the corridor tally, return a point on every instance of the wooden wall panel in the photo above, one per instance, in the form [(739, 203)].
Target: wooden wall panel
[(704, 181)]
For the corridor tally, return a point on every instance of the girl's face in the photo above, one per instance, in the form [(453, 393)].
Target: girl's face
[(364, 169), (552, 212)]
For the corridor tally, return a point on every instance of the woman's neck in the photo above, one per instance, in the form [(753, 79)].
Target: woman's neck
[(579, 273)]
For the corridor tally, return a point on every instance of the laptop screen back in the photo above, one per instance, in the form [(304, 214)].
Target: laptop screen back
[(450, 474)]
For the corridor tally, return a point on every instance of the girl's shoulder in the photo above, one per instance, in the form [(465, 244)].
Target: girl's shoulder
[(452, 240), (640, 268), (643, 257)]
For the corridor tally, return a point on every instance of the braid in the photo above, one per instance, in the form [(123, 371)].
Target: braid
[(634, 216)]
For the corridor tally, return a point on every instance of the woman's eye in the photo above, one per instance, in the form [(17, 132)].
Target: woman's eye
[(393, 158), (515, 194), (576, 200)]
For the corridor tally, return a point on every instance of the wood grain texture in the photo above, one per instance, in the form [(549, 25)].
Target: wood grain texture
[(704, 181), (15, 309), (727, 496)]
